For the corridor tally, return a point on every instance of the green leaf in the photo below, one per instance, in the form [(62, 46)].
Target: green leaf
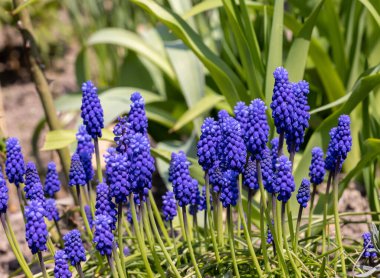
[(23, 6), (331, 104), (201, 107), (227, 81), (135, 43), (297, 57), (372, 10), (275, 47)]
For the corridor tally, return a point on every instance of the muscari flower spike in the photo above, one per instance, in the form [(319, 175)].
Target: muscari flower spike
[(257, 132), (90, 220), (208, 144), (368, 248), (295, 136), (35, 228), (330, 158), (14, 164), (85, 149), (229, 191), (250, 175), (141, 164), (104, 204), (51, 211), (103, 236), (216, 177), (269, 235), (169, 206), (136, 116), (303, 195), (122, 131), (92, 111), (179, 176), (61, 268), (77, 176), (195, 200), (203, 200), (231, 149), (31, 177), (74, 247), (117, 168), (52, 183), (274, 152), (3, 194), (241, 115), (317, 166), (36, 193), (267, 170), (284, 182), (283, 101)]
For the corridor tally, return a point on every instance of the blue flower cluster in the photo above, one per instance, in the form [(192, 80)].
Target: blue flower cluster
[(269, 236), (31, 178), (35, 228), (77, 176), (169, 206), (136, 116), (208, 144), (103, 236), (14, 164), (250, 176), (87, 211), (52, 183), (368, 248), (241, 115), (51, 211), (284, 180), (216, 177), (317, 166), (92, 111), (179, 176), (36, 193), (61, 268), (74, 247), (3, 194), (104, 204), (122, 133), (85, 149), (303, 195), (229, 191)]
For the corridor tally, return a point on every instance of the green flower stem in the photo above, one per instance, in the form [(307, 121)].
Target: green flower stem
[(120, 235), (296, 270), (140, 239), (112, 266), (159, 219), (121, 270), (150, 237), (14, 245), (50, 246), (290, 222), (249, 210), (308, 232), (59, 233), (246, 232), (231, 238), (215, 198), (182, 225), (174, 238), (210, 219), (160, 242), (98, 164), (295, 240), (219, 223), (42, 265), (338, 235), (325, 212), (21, 201), (90, 200), (276, 239), (79, 270), (192, 256), (83, 213)]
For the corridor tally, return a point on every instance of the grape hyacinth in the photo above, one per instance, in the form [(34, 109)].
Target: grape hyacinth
[(122, 132), (91, 110), (51, 211), (241, 115), (250, 176), (269, 235), (61, 268), (136, 116), (303, 195), (169, 206), (52, 183), (141, 164), (274, 152), (295, 136), (103, 237), (104, 204), (203, 200), (207, 146), (14, 164), (36, 193), (179, 176), (231, 149), (317, 166), (31, 177), (216, 177), (85, 149), (284, 181), (3, 194), (257, 132), (35, 228), (283, 101), (74, 247), (90, 220), (77, 176), (368, 248), (229, 192), (195, 200), (267, 170)]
